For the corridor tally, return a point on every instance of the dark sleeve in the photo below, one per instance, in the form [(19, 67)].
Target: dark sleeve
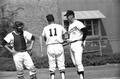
[(33, 38), (85, 32), (3, 43)]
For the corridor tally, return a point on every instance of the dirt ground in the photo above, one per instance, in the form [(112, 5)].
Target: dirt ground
[(92, 72)]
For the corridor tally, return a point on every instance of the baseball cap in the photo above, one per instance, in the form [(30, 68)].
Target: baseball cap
[(69, 12)]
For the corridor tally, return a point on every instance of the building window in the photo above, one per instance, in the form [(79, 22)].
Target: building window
[(92, 25), (95, 27), (88, 24)]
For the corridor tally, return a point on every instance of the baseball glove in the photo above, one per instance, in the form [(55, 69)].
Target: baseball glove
[(29, 51), (66, 36)]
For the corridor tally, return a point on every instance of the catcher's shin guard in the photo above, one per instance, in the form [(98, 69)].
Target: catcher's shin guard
[(33, 76), (21, 77), (81, 74)]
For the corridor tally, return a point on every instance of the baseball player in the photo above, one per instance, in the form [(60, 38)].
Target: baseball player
[(18, 40), (52, 34), (77, 34)]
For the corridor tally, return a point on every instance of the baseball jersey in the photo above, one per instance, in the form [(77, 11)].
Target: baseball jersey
[(74, 29), (53, 33), (18, 41)]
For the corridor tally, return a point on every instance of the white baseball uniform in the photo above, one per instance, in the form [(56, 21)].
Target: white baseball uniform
[(53, 33), (21, 57), (76, 47)]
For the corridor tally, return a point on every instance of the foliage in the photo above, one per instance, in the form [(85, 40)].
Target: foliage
[(5, 53), (7, 64), (40, 62)]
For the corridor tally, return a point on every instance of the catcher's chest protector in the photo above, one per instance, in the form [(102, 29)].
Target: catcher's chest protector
[(19, 42)]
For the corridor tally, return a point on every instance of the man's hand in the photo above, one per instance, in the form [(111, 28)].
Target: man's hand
[(13, 51), (83, 43), (29, 50), (65, 36), (66, 42)]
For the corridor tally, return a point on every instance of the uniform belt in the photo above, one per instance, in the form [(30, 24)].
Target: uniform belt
[(67, 43), (53, 43), (75, 41), (22, 51)]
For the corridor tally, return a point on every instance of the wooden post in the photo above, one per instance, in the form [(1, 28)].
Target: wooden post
[(100, 37)]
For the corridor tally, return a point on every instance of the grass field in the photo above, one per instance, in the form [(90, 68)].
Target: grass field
[(91, 72)]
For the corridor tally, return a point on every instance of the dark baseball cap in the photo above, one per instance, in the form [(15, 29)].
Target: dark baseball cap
[(69, 12)]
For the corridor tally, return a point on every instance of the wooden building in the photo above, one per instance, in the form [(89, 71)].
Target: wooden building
[(100, 16)]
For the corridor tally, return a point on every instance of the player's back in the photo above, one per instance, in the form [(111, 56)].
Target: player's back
[(53, 33)]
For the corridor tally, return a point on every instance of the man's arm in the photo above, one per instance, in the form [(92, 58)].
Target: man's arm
[(5, 44), (44, 35), (32, 43), (9, 49), (85, 32)]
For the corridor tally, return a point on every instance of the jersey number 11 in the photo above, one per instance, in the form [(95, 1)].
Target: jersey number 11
[(51, 32)]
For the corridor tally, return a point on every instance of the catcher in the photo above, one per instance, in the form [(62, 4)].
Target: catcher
[(18, 40)]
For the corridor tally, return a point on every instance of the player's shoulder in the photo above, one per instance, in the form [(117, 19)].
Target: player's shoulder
[(26, 32), (59, 25), (10, 34), (52, 26), (77, 21), (47, 27)]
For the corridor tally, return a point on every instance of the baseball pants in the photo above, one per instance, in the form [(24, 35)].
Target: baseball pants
[(76, 54), (56, 57), (23, 58)]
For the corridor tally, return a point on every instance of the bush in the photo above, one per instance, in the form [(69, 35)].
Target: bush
[(111, 59), (5, 53), (40, 62), (7, 64), (94, 60), (89, 59), (68, 61)]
